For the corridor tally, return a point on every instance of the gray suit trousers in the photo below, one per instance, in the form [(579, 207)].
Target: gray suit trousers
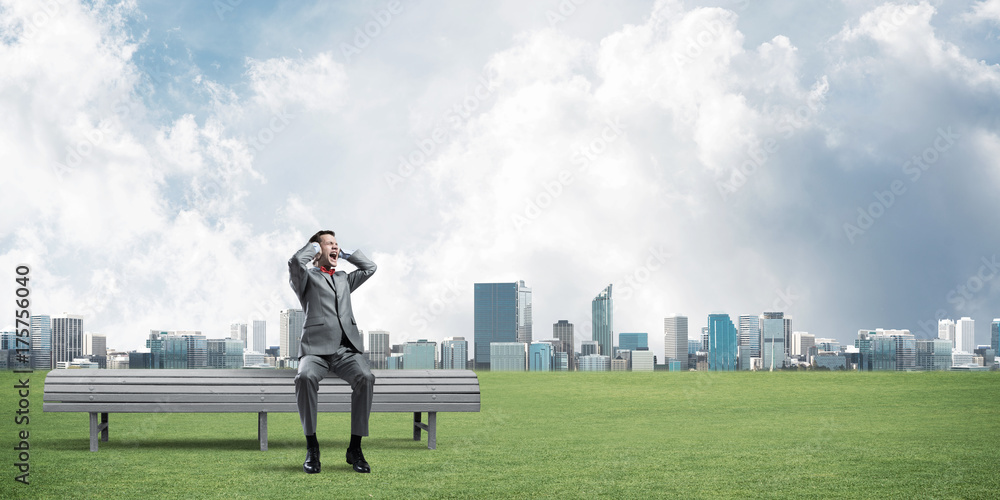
[(350, 366)]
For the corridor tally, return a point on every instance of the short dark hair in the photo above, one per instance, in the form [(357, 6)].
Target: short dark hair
[(315, 238)]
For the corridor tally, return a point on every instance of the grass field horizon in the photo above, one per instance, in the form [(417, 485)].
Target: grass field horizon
[(621, 434)]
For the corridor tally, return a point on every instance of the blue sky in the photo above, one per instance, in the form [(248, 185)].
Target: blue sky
[(834, 160)]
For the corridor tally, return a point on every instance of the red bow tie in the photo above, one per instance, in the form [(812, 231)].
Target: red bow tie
[(327, 270)]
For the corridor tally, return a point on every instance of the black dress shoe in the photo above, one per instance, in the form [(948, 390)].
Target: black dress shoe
[(311, 466), (357, 460)]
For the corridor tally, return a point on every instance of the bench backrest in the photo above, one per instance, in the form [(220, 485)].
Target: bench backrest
[(198, 390)]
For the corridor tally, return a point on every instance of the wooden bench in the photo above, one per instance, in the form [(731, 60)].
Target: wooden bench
[(100, 392)]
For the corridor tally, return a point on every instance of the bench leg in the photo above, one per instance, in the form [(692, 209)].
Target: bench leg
[(262, 430), (416, 426), (98, 428), (104, 424), (430, 427), (432, 430), (93, 431)]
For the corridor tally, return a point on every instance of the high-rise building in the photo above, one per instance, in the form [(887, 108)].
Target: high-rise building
[(95, 344), (290, 323), (379, 349), (772, 336), (454, 353), (642, 361), (633, 341), (563, 330), (167, 350), (933, 354), (788, 334), (495, 317), (238, 331), (946, 331), (722, 343), (41, 342), (9, 359), (67, 338), (603, 321), (224, 353), (675, 338), (886, 350), (523, 313), (561, 362), (508, 356), (965, 335), (595, 363), (588, 347), (259, 337), (540, 357), (704, 339), (693, 347), (801, 342), (197, 349), (995, 335), (750, 333), (420, 355)]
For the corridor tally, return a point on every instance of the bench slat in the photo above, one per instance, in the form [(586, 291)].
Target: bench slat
[(195, 381), (52, 393), (239, 373), (249, 407), (254, 398)]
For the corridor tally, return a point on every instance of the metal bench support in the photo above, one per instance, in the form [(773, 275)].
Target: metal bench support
[(262, 430), (96, 427), (430, 427)]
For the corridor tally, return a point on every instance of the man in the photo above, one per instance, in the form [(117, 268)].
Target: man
[(330, 340)]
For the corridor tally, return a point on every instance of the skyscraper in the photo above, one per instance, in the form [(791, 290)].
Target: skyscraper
[(238, 331), (946, 331), (454, 353), (675, 338), (722, 342), (259, 338), (772, 346), (801, 342), (750, 333), (788, 334), (41, 342), (508, 356), (633, 341), (540, 357), (523, 313), (602, 319), (67, 338), (965, 335), (379, 349), (95, 344), (588, 347), (995, 335), (419, 355), (563, 330), (224, 353), (495, 318), (197, 349), (290, 332)]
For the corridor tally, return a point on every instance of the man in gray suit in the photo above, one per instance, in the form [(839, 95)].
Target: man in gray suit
[(330, 340)]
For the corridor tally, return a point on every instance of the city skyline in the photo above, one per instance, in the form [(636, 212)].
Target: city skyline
[(835, 162), (671, 323)]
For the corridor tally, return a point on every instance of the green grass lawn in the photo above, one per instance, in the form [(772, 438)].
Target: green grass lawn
[(629, 435)]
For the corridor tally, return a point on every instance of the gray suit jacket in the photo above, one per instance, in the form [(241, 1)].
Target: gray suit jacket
[(326, 301)]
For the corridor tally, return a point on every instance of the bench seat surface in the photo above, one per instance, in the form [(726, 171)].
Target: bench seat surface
[(225, 391)]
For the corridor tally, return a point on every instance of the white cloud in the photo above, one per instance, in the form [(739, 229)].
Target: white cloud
[(316, 83), (985, 11)]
